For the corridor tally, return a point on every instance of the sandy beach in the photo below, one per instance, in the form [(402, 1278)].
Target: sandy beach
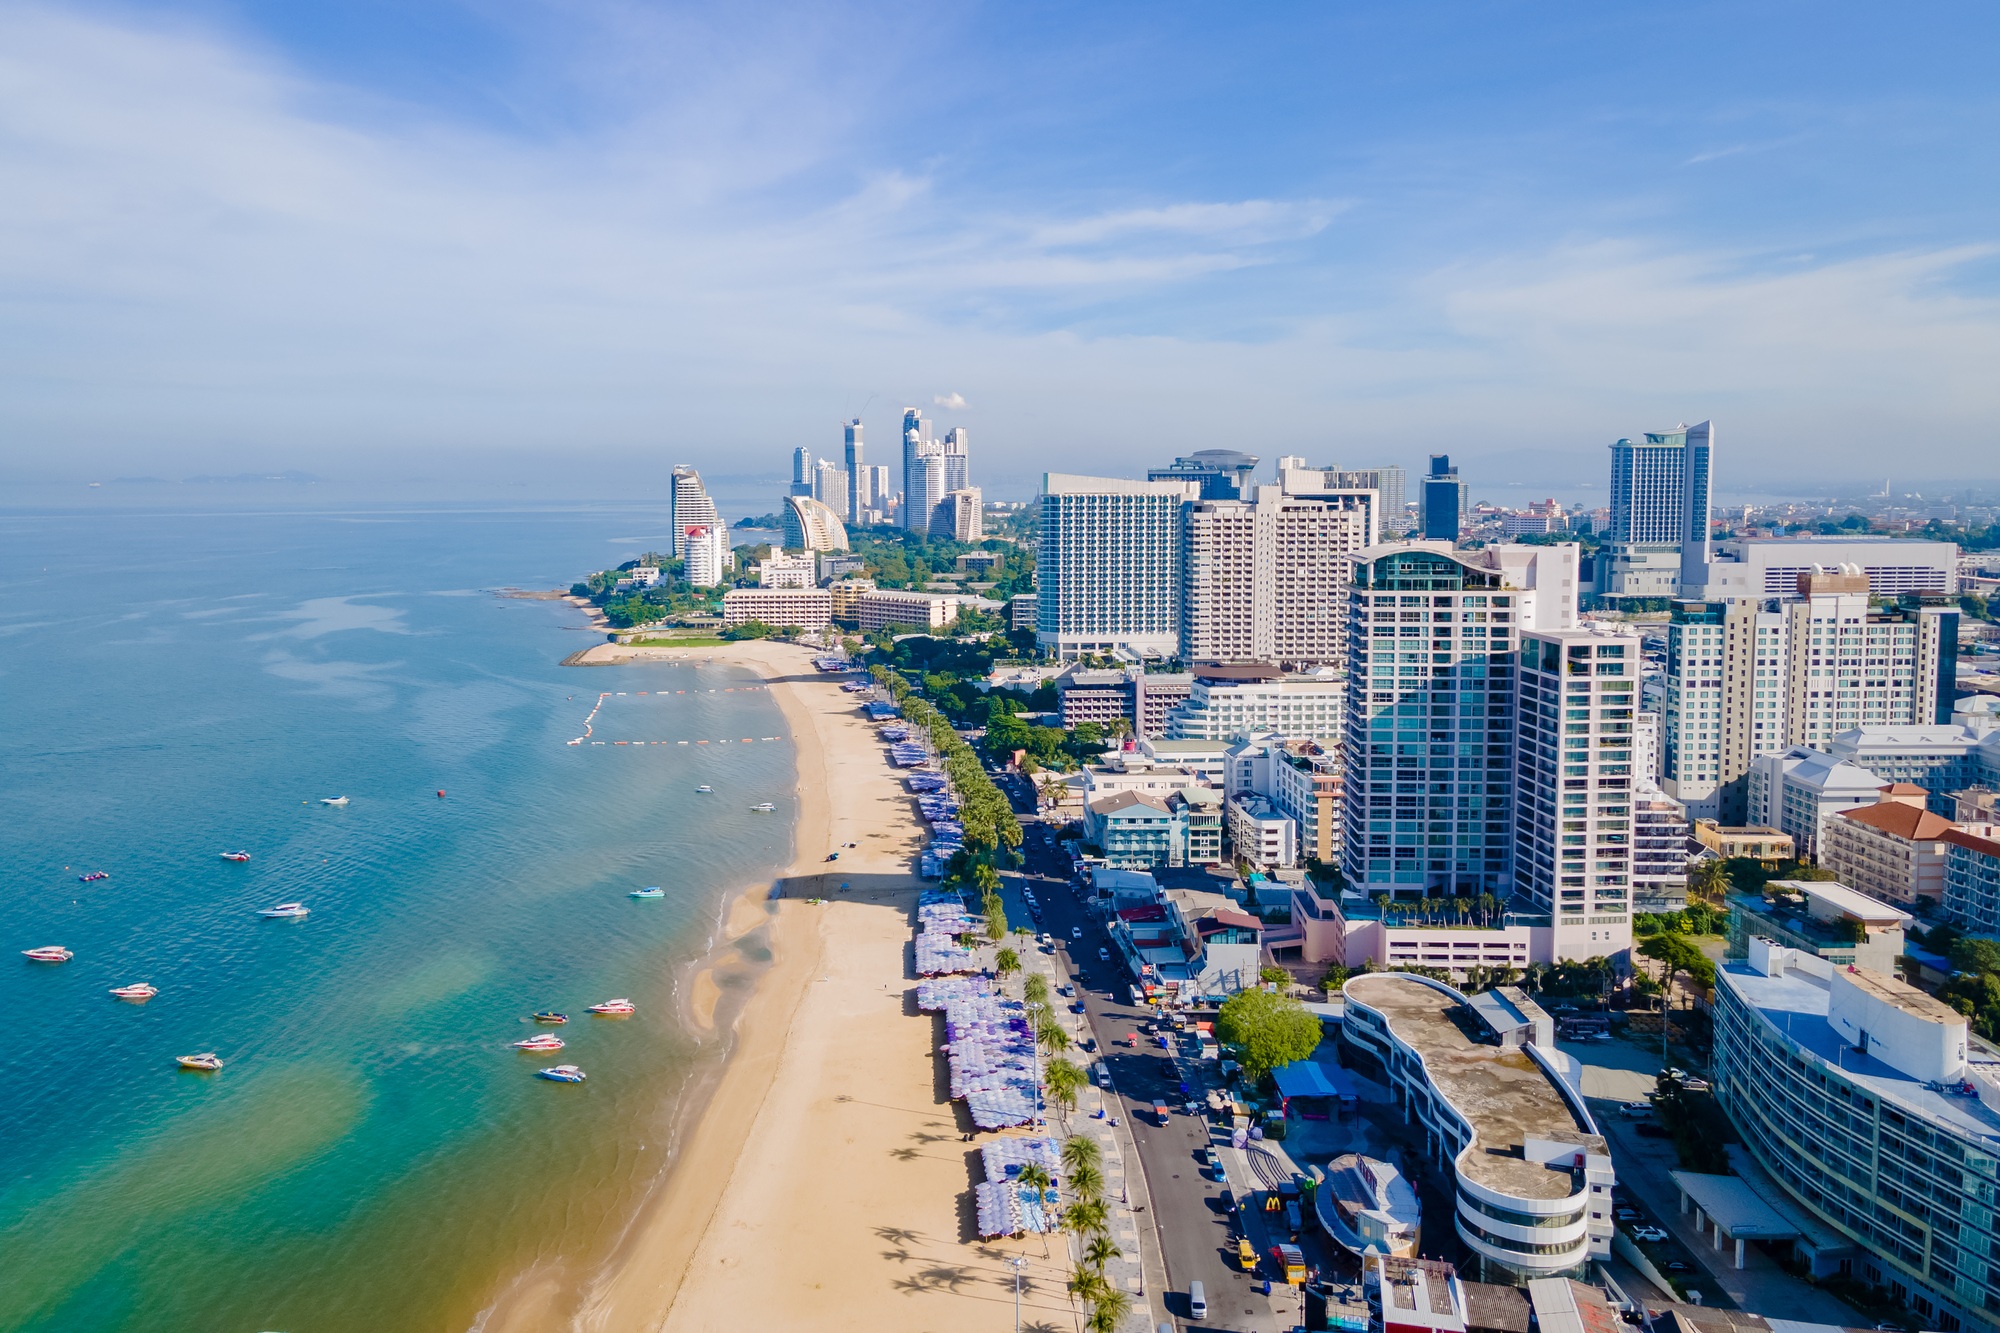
[(826, 1183)]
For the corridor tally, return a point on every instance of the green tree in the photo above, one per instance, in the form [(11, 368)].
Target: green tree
[(1268, 1030), (1049, 1034), (1035, 990), (1087, 1217), (1079, 1150), (1063, 1079), (1708, 880), (1100, 1251), (1275, 975), (1108, 1311), (1086, 1181), (1006, 963), (996, 920), (1676, 953)]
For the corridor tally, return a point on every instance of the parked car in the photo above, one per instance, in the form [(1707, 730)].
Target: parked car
[(1627, 1214), (1676, 1266), (1695, 1084), (1650, 1235), (1104, 955), (1076, 932), (1631, 1109)]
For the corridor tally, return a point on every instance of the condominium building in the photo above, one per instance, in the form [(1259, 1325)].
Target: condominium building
[(897, 609), (846, 595), (1771, 566), (1893, 850), (809, 609), (959, 515), (1156, 695), (1822, 918), (957, 453), (1101, 696), (1972, 878), (1260, 833), (1229, 702), (1659, 849), (781, 570), (1303, 780), (688, 507), (1265, 577), (860, 477), (1221, 474), (1573, 819), (802, 471), (1445, 501), (1392, 517), (705, 555), (1866, 1101), (1746, 679), (1108, 573), (830, 486), (1531, 1173), (812, 525), (1799, 791), (1430, 736)]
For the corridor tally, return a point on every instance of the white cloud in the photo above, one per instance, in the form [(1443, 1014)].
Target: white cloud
[(200, 249), (955, 401)]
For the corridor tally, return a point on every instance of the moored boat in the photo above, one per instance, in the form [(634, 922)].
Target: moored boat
[(93, 877), (766, 807), (704, 787), (547, 1041), (286, 911), (340, 800), (236, 856), (138, 990), (561, 1074), (48, 953), (613, 1007), (653, 891), (207, 1061), (550, 1016)]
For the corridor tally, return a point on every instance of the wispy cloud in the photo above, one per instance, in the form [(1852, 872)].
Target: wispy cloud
[(955, 401)]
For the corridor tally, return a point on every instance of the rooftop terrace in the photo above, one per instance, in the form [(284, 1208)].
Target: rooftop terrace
[(1505, 1096)]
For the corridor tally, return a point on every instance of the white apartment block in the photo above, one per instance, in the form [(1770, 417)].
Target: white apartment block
[(688, 507), (897, 609), (1659, 848), (1798, 791), (1771, 566), (1108, 571), (705, 554), (830, 486), (1752, 678), (1265, 579), (787, 571), (1574, 795), (1303, 780), (1227, 703), (809, 609), (1260, 833), (960, 515)]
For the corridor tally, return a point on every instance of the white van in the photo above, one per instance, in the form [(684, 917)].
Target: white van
[(1197, 1300), (1102, 1072)]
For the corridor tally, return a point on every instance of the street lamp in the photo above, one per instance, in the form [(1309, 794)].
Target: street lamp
[(1019, 1262)]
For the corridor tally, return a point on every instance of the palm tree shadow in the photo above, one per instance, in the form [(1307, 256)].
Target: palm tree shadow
[(898, 1235)]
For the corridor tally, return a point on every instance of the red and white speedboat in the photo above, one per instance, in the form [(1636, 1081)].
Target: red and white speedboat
[(48, 953), (614, 1007), (236, 856), (138, 990), (547, 1041)]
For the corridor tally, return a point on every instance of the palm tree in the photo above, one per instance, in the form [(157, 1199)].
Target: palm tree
[(1101, 1251), (1063, 1079), (1006, 963), (1462, 906), (1086, 1283), (1086, 1181), (1108, 1311), (1035, 990), (1078, 1150), (1049, 1034), (1036, 1177), (1709, 880), (1087, 1217)]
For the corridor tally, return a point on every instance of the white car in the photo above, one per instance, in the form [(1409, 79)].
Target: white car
[(1104, 955), (1651, 1235), (1630, 1109), (1076, 932)]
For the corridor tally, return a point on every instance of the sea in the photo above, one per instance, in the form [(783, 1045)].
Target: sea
[(184, 681)]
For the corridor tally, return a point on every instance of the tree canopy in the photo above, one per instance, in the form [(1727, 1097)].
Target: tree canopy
[(1267, 1030)]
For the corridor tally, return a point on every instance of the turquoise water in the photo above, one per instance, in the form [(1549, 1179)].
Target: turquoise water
[(373, 1156)]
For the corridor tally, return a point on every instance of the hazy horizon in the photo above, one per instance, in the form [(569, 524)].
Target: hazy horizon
[(547, 248)]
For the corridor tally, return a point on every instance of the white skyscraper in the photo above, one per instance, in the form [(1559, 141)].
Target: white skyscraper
[(1575, 783), (957, 459), (705, 553), (917, 442), (802, 471), (924, 487), (880, 497), (1265, 577), (1108, 572), (830, 486), (811, 525), (1661, 492), (688, 506), (860, 490), (960, 515)]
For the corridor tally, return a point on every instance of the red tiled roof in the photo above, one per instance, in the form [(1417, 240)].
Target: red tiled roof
[(1973, 842), (1903, 821), (1904, 789)]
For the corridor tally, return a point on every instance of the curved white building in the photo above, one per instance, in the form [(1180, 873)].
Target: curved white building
[(1533, 1175), (812, 526)]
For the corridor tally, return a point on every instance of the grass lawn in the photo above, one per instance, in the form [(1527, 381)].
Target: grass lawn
[(689, 641)]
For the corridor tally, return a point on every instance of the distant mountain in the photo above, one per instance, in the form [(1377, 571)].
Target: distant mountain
[(294, 477)]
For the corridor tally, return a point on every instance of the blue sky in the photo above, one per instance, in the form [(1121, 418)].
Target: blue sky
[(543, 241)]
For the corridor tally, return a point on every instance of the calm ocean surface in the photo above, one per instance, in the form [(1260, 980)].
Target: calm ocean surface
[(374, 1156)]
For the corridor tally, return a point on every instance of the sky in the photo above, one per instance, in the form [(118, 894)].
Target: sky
[(558, 247)]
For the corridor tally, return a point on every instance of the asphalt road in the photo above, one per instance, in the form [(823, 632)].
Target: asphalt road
[(1194, 1231)]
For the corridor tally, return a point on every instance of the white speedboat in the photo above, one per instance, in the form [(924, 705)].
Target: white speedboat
[(138, 990), (236, 856), (207, 1061), (653, 892), (333, 800), (614, 1007), (285, 911), (704, 788), (765, 808), (48, 953), (561, 1074), (547, 1041)]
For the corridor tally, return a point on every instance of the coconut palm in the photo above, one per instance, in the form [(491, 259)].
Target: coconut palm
[(1086, 1181), (1108, 1311), (1037, 1178), (1064, 1079), (1049, 1034), (1086, 1283), (1006, 963), (1087, 1217), (1035, 990), (1080, 1150), (1101, 1251)]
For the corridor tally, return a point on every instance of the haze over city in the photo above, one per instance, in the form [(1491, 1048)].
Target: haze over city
[(464, 249)]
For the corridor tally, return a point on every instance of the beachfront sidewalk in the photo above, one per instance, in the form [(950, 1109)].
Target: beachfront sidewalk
[(1138, 1268)]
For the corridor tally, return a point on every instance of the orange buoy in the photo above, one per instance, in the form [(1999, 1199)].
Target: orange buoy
[(440, 793)]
